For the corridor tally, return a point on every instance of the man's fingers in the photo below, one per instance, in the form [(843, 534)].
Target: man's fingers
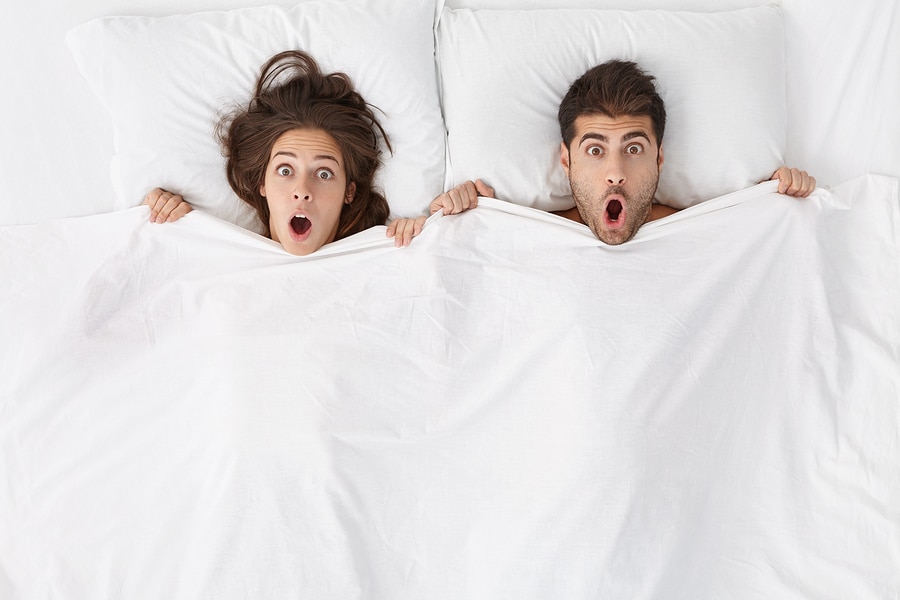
[(461, 198), (470, 200), (807, 184), (782, 174), (468, 197), (794, 182), (800, 184), (451, 199), (483, 189), (812, 185)]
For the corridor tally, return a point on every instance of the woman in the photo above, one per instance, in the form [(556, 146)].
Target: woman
[(303, 154)]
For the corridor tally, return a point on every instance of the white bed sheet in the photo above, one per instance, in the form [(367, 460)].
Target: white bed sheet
[(505, 409)]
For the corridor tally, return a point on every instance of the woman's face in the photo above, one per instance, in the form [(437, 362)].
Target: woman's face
[(305, 187)]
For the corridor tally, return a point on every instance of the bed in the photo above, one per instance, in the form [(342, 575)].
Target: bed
[(507, 408)]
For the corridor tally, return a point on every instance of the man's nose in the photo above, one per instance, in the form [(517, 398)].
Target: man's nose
[(615, 173)]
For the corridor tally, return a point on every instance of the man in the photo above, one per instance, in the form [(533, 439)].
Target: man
[(612, 122)]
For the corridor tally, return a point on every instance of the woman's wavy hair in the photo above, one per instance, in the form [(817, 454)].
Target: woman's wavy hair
[(292, 92)]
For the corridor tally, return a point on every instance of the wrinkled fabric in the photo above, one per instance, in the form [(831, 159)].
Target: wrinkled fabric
[(507, 408)]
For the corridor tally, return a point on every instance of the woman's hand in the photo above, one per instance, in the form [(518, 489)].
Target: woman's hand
[(404, 230), (459, 199), (166, 207)]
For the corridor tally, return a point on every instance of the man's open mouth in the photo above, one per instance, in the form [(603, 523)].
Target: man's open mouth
[(613, 210), (300, 224)]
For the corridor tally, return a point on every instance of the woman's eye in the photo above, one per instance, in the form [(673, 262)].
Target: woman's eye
[(284, 171), (324, 174)]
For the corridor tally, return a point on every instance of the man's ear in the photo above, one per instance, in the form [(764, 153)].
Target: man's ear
[(659, 158), (564, 157)]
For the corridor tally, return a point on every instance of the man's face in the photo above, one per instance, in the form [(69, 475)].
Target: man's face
[(613, 167)]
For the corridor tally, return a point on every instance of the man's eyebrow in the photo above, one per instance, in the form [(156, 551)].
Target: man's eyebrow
[(602, 138), (635, 134), (593, 136)]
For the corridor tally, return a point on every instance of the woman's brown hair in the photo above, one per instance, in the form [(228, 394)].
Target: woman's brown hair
[(292, 92)]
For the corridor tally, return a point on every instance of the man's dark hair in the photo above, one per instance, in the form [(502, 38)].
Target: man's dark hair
[(615, 88)]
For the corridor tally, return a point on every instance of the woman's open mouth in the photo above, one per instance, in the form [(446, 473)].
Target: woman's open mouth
[(300, 225)]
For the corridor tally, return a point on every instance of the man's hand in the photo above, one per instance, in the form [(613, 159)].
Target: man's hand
[(461, 198), (166, 207), (794, 182)]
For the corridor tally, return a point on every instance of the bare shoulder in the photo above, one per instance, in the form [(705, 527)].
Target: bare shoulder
[(571, 214), (658, 211)]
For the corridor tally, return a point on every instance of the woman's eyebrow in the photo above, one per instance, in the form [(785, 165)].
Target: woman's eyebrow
[(316, 157)]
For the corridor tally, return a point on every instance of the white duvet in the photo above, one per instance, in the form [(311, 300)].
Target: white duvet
[(505, 409)]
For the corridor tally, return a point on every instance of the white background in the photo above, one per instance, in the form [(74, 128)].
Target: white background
[(843, 92)]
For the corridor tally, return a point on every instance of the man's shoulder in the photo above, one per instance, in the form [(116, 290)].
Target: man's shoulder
[(658, 211), (571, 214)]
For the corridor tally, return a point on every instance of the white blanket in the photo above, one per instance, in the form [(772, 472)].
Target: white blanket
[(505, 409)]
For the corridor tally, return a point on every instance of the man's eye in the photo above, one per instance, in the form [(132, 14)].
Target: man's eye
[(284, 171), (595, 151), (324, 174), (634, 149)]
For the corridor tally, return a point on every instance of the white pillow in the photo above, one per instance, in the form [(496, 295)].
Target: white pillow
[(167, 80), (504, 72)]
